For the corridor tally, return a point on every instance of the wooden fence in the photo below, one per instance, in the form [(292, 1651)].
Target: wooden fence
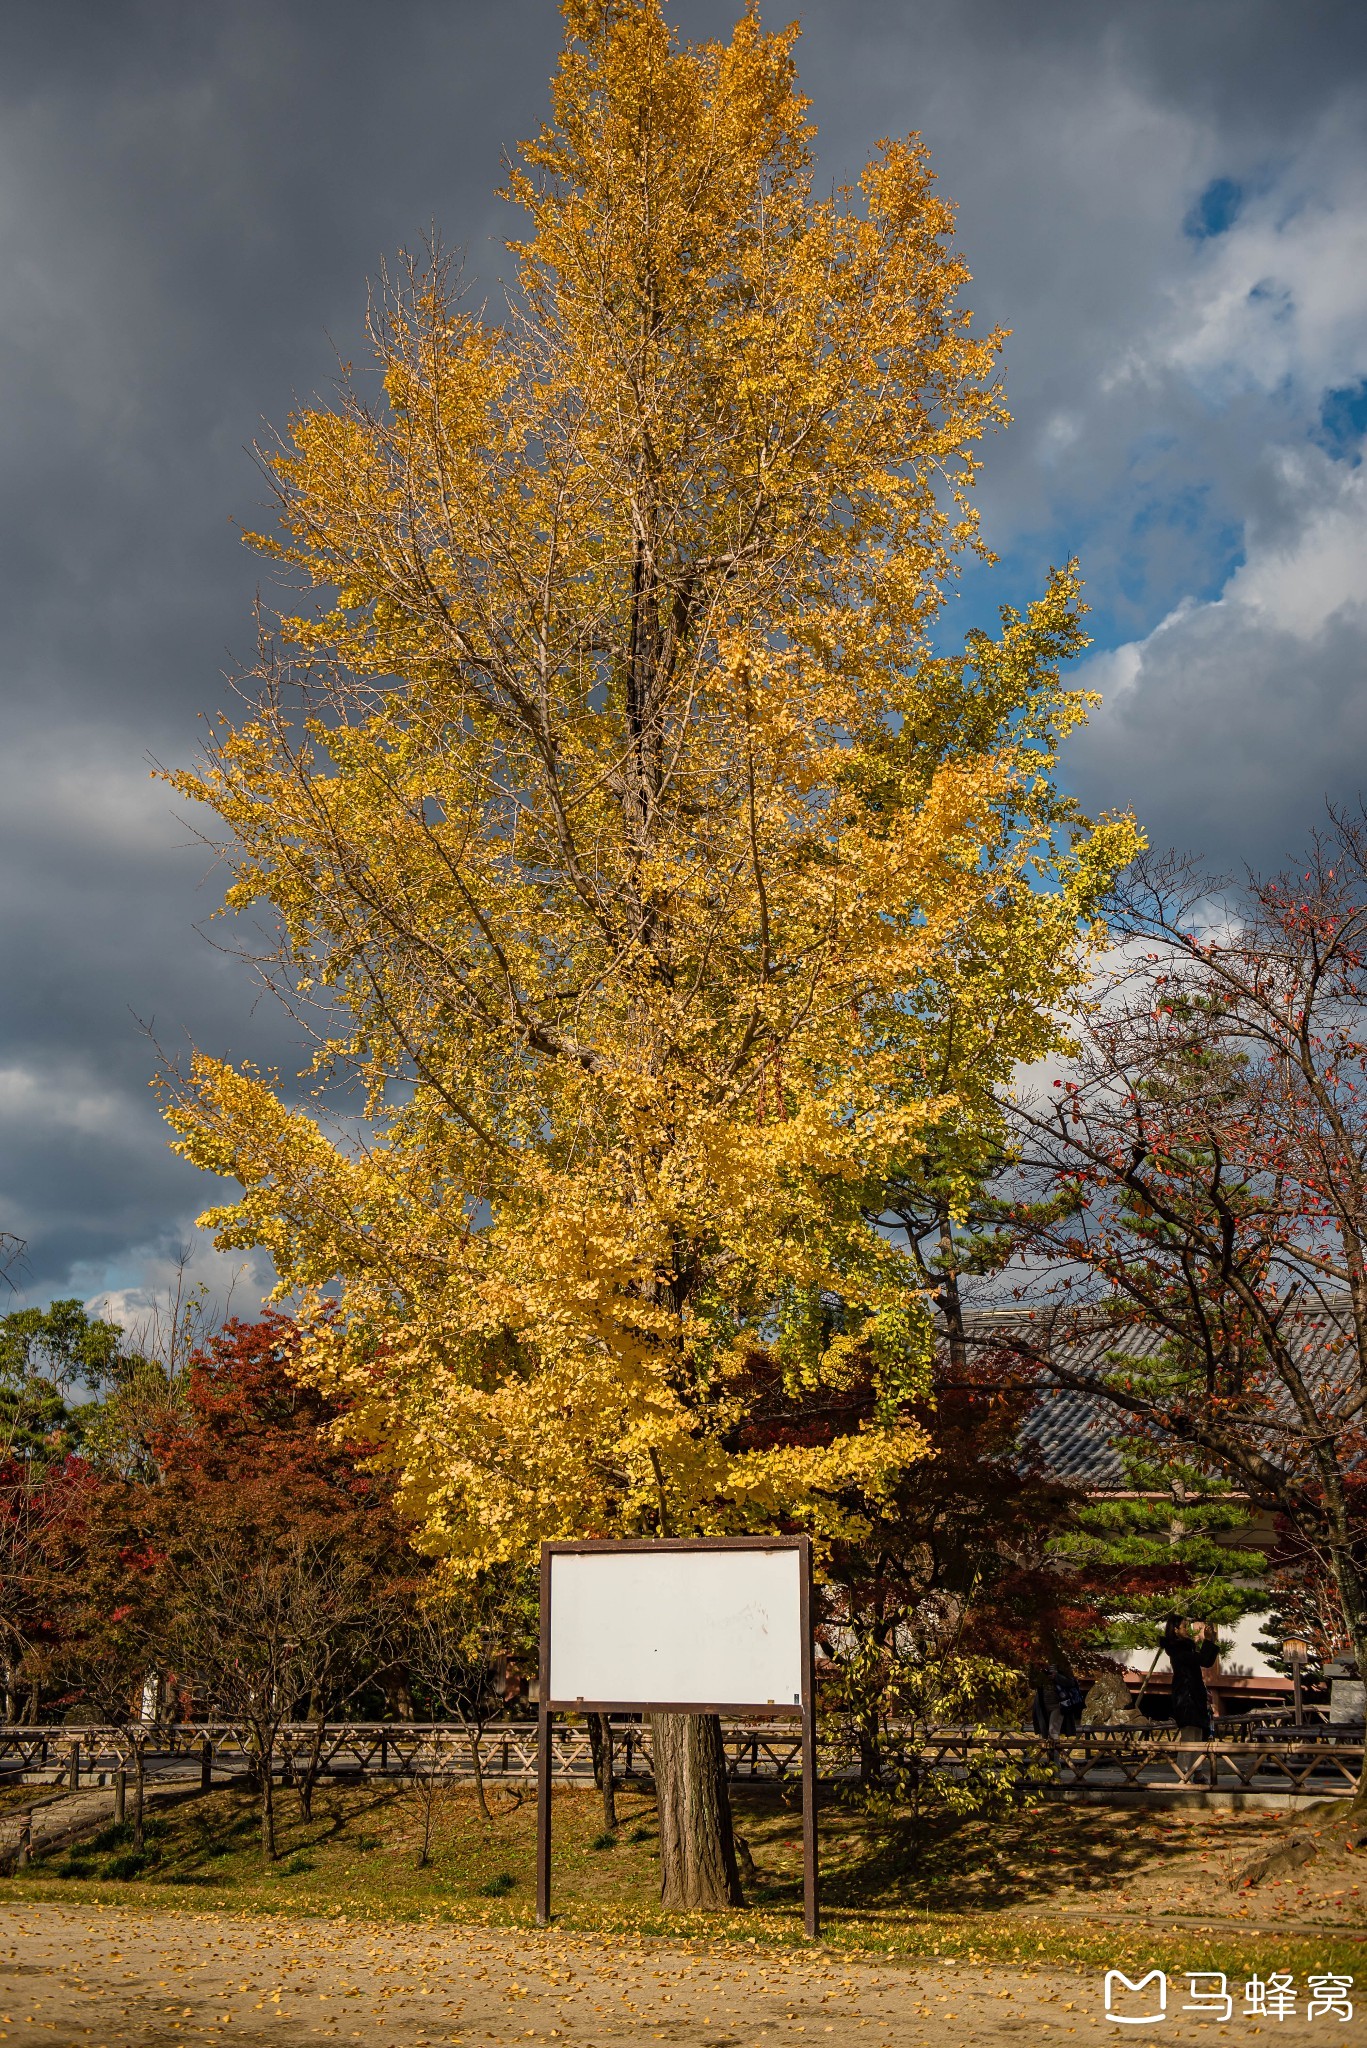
[(507, 1749), (1316, 1762), (1311, 1762)]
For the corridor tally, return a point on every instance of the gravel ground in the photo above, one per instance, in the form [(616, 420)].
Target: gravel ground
[(103, 1979)]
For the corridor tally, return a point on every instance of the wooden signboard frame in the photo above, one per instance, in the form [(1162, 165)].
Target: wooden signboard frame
[(805, 1710)]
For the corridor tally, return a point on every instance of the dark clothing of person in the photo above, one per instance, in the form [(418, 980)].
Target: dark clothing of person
[(1189, 1660), (1057, 1704)]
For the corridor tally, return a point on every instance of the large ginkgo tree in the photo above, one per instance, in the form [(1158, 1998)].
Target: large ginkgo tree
[(640, 868)]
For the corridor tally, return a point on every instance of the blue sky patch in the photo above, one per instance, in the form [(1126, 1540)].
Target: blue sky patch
[(1216, 211), (1343, 417)]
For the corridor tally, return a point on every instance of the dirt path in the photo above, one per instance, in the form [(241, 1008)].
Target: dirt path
[(114, 1979), (56, 1818)]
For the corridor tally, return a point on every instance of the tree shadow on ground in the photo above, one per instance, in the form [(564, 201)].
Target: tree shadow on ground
[(1017, 1861)]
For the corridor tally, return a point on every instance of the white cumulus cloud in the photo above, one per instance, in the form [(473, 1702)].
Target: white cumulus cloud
[(1233, 720)]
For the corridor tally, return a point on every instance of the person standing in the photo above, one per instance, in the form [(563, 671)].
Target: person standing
[(1057, 1703), (1190, 1661)]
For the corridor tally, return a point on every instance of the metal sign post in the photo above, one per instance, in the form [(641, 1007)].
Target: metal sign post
[(757, 1636)]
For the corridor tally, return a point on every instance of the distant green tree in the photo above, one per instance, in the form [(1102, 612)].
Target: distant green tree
[(49, 1356)]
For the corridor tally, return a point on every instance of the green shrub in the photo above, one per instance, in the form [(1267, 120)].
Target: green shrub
[(115, 1836)]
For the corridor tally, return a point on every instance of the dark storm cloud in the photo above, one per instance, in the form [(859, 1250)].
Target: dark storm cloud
[(1161, 201), (191, 200)]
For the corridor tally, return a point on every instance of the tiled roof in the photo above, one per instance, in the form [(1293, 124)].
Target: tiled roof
[(1074, 1433)]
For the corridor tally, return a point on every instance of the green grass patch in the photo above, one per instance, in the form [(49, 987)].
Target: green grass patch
[(1023, 1892)]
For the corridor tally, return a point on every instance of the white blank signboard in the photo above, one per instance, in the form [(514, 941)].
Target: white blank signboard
[(677, 1627)]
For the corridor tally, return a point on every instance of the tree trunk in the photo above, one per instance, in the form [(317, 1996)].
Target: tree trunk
[(870, 1752), (477, 1764), (697, 1849), (427, 1788), (1358, 1636), (1344, 1562), (267, 1754), (604, 1778), (608, 1776), (311, 1770), (139, 1787)]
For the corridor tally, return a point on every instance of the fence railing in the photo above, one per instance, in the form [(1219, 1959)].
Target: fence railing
[(506, 1749), (1319, 1761)]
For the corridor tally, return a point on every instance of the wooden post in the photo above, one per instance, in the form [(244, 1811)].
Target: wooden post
[(811, 1909), (609, 1788), (75, 1777), (543, 1751), (206, 1764), (120, 1795), (25, 1856), (543, 1817)]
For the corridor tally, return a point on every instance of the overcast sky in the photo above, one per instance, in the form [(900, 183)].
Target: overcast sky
[(1165, 200)]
